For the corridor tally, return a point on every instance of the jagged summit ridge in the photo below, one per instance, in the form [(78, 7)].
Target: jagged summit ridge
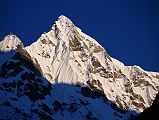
[(80, 78)]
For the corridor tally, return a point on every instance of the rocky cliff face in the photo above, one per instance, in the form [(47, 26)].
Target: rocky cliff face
[(151, 112), (66, 74)]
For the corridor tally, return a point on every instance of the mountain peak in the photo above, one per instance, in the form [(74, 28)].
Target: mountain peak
[(10, 42), (63, 23), (78, 79), (63, 18)]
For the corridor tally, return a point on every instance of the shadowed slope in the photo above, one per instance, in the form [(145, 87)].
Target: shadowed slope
[(25, 94)]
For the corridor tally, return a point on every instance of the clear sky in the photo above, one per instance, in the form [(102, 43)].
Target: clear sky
[(127, 29)]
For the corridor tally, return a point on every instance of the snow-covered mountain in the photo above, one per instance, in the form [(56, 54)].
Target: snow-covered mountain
[(68, 75), (10, 42)]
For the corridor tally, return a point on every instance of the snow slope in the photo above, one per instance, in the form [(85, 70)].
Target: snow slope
[(83, 80)]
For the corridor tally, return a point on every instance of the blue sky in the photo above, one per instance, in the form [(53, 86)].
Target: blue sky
[(127, 29)]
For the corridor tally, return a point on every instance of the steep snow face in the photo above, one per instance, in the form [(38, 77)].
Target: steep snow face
[(65, 49), (67, 55), (10, 42), (66, 75)]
